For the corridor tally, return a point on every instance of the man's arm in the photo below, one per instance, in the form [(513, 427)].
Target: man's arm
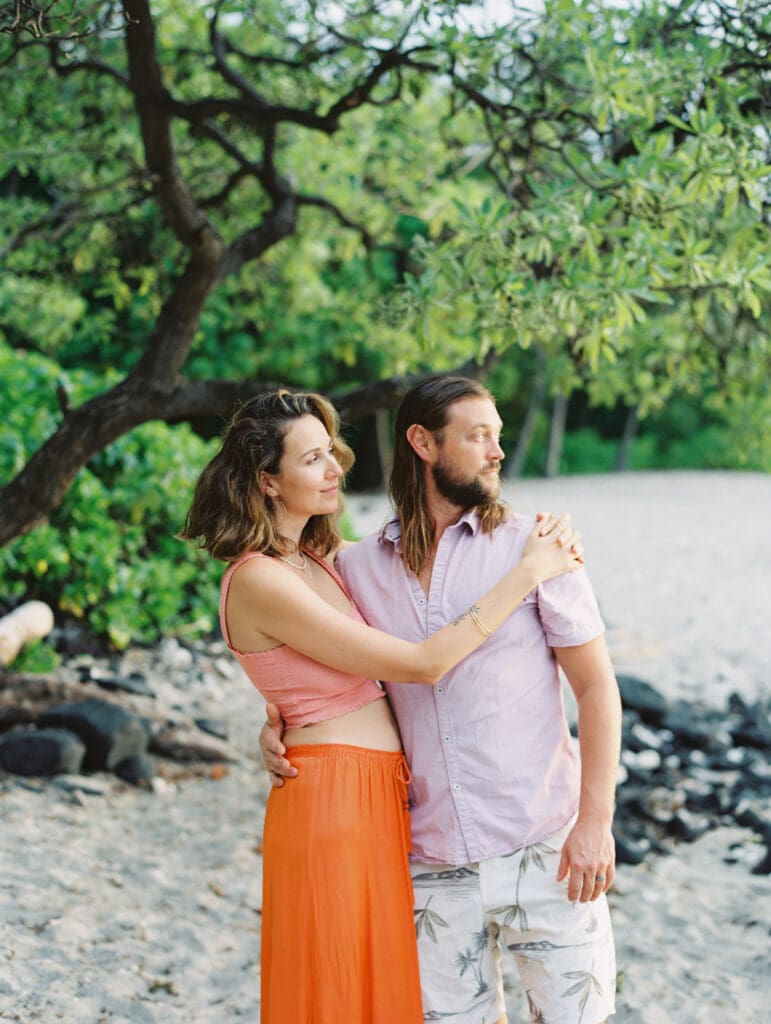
[(273, 749), (589, 850)]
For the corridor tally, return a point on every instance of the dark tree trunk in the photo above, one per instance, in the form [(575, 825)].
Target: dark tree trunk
[(144, 395)]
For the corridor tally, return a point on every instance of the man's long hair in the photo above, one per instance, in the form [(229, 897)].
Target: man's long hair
[(428, 404), (230, 513)]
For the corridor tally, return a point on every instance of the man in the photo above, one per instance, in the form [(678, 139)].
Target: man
[(511, 834)]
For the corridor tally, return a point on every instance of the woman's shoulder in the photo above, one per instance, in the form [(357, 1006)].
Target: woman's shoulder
[(259, 569), (263, 592)]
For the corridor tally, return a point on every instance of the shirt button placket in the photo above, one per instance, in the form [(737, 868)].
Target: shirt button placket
[(441, 696)]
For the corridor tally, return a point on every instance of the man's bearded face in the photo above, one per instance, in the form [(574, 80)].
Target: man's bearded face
[(481, 489)]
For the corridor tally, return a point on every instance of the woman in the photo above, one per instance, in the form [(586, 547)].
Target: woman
[(338, 942)]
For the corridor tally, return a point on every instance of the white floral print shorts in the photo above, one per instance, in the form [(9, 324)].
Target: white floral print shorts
[(465, 915)]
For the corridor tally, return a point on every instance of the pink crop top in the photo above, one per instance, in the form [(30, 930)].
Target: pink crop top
[(305, 690)]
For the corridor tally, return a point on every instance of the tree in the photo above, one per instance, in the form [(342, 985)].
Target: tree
[(207, 106), (613, 168), (630, 239)]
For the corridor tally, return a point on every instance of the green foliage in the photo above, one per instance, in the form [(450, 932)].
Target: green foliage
[(633, 244), (37, 657), (38, 312), (685, 435), (588, 184), (109, 555), (585, 451), (561, 187), (304, 317)]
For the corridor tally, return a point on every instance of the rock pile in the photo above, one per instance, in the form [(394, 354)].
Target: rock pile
[(686, 769), (105, 714)]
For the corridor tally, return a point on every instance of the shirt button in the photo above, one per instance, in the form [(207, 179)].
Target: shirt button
[(447, 739), (421, 600), (440, 689), (456, 785)]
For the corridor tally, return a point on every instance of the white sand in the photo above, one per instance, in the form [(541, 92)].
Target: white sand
[(127, 907)]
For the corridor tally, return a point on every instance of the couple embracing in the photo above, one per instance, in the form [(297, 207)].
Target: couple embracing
[(460, 759)]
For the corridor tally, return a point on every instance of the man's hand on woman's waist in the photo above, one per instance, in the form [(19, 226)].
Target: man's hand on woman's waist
[(273, 750)]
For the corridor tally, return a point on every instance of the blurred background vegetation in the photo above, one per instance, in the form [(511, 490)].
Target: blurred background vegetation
[(578, 195)]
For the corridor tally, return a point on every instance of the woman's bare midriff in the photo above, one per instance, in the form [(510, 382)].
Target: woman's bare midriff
[(372, 726)]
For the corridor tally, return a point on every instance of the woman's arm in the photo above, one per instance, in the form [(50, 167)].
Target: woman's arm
[(267, 600)]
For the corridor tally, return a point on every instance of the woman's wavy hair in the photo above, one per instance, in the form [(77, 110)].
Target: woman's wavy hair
[(428, 404), (230, 514)]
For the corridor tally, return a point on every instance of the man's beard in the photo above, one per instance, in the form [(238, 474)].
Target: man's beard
[(463, 493)]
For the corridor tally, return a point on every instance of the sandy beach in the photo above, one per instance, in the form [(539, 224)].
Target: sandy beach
[(122, 906)]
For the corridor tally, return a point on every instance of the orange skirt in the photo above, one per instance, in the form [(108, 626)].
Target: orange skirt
[(338, 939)]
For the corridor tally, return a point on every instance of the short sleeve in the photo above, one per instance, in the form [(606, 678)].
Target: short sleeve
[(568, 610)]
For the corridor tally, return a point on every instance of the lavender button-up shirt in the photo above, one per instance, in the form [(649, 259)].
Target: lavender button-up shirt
[(493, 764)]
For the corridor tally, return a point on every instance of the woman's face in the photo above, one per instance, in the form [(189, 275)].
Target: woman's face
[(308, 480)]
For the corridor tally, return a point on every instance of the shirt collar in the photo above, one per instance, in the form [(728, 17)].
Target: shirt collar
[(392, 531)]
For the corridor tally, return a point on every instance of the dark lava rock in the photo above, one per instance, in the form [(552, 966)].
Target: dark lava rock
[(135, 682), (754, 728), (41, 752), (139, 770), (692, 727), (688, 826), (763, 867), (639, 696), (642, 737), (110, 732), (751, 814), (214, 726), (630, 850)]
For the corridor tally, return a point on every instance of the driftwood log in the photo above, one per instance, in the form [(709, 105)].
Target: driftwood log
[(30, 621)]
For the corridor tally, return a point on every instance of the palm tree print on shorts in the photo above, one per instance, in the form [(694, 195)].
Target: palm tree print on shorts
[(472, 958), (516, 915), (428, 920), (583, 982)]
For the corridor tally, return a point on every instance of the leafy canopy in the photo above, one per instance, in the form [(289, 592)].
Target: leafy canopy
[(585, 184)]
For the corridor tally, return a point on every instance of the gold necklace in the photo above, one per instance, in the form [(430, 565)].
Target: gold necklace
[(300, 568)]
